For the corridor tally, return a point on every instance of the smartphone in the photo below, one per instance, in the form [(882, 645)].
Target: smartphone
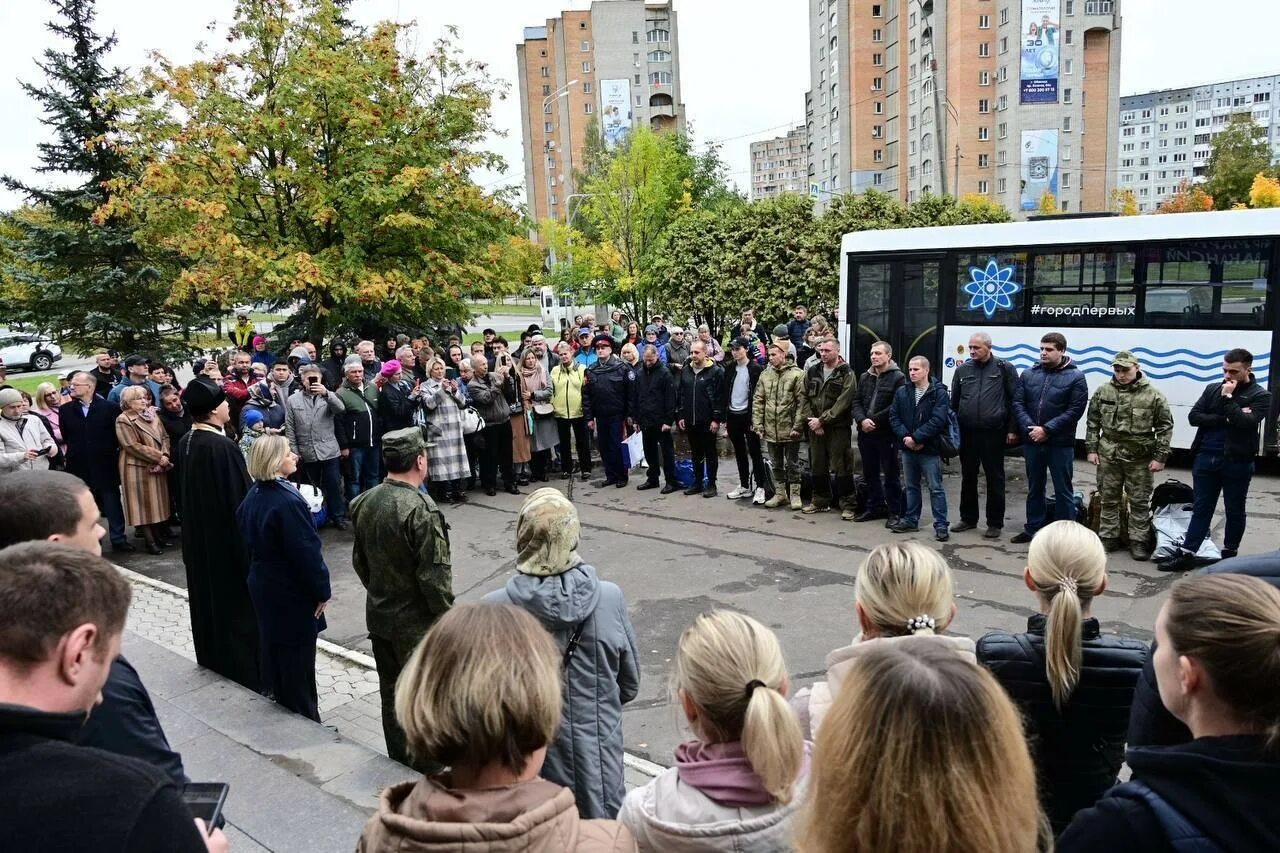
[(313, 380), (205, 801), (44, 451)]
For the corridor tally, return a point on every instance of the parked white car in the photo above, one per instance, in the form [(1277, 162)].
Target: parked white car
[(26, 351)]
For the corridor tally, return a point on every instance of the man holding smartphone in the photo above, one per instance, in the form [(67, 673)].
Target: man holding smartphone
[(309, 419), (64, 611)]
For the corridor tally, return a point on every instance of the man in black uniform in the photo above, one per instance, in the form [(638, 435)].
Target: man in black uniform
[(606, 404)]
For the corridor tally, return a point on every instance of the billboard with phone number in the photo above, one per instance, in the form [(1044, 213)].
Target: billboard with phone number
[(1039, 74)]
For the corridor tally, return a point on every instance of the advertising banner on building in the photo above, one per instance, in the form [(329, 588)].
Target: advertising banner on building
[(1039, 77), (615, 111), (1039, 166)]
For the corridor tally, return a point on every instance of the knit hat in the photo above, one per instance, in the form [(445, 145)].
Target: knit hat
[(258, 339), (390, 368), (9, 396), (547, 533), (202, 396), (651, 329), (252, 417)]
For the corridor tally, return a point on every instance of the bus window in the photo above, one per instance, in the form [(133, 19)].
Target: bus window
[(870, 316), (1208, 283), (1084, 287), (990, 287)]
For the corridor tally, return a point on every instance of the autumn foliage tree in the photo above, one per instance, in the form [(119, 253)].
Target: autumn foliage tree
[(1265, 192), (1188, 198), (318, 164)]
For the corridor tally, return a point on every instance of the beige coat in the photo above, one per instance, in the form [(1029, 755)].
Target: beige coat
[(146, 492), (530, 817), (812, 703)]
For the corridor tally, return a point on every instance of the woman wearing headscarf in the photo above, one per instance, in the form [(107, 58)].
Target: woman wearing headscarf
[(534, 387), (443, 403), (588, 617), (144, 466)]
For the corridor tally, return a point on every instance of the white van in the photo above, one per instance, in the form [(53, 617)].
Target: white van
[(558, 310)]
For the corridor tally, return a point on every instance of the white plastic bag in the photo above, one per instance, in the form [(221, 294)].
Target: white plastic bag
[(1171, 523), (635, 449)]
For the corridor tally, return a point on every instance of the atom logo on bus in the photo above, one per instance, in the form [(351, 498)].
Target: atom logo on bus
[(991, 288)]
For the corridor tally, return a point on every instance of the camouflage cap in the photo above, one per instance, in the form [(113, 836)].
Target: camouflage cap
[(404, 443), (1124, 358)]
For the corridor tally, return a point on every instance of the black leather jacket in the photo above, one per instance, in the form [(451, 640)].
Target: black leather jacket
[(982, 395), (1078, 750)]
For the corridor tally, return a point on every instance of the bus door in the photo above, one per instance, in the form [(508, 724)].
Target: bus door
[(895, 300)]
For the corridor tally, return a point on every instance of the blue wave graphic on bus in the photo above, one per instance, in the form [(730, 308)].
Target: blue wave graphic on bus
[(1156, 364)]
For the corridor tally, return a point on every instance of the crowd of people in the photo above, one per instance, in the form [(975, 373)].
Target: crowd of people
[(511, 706)]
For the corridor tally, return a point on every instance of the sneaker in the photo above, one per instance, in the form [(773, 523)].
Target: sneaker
[(1021, 539), (848, 515), (796, 503), (779, 499), (941, 535), (758, 497), (1183, 561), (903, 527), (1228, 553), (810, 509), (992, 533), (872, 515), (739, 493), (693, 490), (586, 476), (710, 492), (962, 527)]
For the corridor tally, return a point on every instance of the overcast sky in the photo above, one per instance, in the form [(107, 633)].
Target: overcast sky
[(744, 62)]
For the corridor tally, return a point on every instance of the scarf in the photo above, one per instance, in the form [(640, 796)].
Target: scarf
[(148, 414), (722, 772), (535, 379)]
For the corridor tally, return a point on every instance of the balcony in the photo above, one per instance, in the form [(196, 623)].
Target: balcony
[(662, 105)]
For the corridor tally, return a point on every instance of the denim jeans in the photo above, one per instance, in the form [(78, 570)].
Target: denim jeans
[(1211, 474), (915, 463), (609, 441), (1045, 461), (364, 464), (326, 474)]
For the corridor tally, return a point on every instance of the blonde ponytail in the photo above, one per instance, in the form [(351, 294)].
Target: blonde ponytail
[(905, 588), (731, 667), (1068, 566)]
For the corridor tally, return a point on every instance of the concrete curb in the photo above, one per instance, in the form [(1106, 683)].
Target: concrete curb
[(640, 765)]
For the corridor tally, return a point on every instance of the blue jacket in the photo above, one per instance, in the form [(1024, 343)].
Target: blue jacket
[(1053, 398), (287, 573), (924, 421), (795, 331)]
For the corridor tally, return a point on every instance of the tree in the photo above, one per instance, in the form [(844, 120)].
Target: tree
[(1188, 198), (1124, 202), (83, 277), (315, 163), (1265, 192), (1238, 154)]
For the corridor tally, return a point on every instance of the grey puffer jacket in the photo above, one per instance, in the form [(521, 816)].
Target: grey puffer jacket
[(309, 425), (603, 675)]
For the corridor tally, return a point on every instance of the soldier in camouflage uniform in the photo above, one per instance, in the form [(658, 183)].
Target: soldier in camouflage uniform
[(1129, 430), (401, 555)]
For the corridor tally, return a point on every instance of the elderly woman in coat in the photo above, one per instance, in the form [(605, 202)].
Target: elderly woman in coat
[(588, 618), (534, 387), (443, 402), (144, 465), (25, 443)]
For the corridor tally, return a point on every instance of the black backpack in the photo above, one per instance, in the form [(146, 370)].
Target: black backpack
[(1171, 493)]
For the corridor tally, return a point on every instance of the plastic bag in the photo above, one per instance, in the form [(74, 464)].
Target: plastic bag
[(1170, 523), (315, 502), (633, 450)]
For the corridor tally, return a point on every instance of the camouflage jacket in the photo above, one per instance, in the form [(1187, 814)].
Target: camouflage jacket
[(401, 555), (1129, 422), (780, 406)]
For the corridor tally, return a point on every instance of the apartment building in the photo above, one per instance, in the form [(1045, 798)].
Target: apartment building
[(610, 67), (1165, 137), (780, 165), (1011, 99)]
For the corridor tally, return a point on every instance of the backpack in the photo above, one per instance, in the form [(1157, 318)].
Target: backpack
[(1171, 493), (1183, 835), (949, 440)]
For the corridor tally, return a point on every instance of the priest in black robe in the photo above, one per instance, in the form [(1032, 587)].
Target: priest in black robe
[(213, 480)]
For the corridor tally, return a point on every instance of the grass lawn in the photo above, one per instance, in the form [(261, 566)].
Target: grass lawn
[(505, 308), (28, 383)]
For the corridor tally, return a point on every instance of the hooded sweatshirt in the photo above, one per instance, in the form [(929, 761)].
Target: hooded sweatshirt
[(1226, 788), (529, 817)]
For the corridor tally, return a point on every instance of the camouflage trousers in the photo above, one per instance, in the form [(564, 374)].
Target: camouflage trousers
[(1118, 480)]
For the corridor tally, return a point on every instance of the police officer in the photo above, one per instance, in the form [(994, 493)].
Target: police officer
[(401, 555), (1128, 432), (606, 404)]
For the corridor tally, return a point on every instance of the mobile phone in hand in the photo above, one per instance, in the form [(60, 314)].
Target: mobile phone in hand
[(44, 451), (205, 800)]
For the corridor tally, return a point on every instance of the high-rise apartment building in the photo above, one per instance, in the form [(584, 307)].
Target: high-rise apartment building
[(1011, 99), (1165, 136), (611, 67), (780, 165)]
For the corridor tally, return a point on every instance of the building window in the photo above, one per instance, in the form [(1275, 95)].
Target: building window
[(1067, 37), (1066, 152), (1004, 44), (1066, 124), (876, 11), (1066, 179), (984, 22), (984, 105), (658, 36), (1066, 96), (984, 187), (588, 87), (635, 36), (1004, 102), (586, 47), (1001, 184), (659, 78), (546, 72), (1071, 7), (984, 48), (878, 108), (984, 160), (911, 48), (588, 108), (876, 179), (1002, 74), (877, 59), (1003, 130), (547, 127), (586, 68), (877, 35), (984, 78), (878, 155), (1004, 17), (984, 133), (877, 84), (546, 107), (546, 90), (659, 56), (1068, 66)]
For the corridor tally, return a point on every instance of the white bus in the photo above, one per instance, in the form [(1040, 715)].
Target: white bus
[(1178, 290)]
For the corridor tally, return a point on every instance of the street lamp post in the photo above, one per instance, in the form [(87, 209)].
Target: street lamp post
[(546, 103)]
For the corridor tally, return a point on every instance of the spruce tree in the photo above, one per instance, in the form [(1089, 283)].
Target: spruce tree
[(84, 278)]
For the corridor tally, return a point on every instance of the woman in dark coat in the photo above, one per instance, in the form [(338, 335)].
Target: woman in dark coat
[(288, 578)]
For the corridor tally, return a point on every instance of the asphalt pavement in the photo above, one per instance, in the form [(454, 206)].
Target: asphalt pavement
[(677, 556)]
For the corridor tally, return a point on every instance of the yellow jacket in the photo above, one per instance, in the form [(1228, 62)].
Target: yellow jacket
[(566, 390)]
